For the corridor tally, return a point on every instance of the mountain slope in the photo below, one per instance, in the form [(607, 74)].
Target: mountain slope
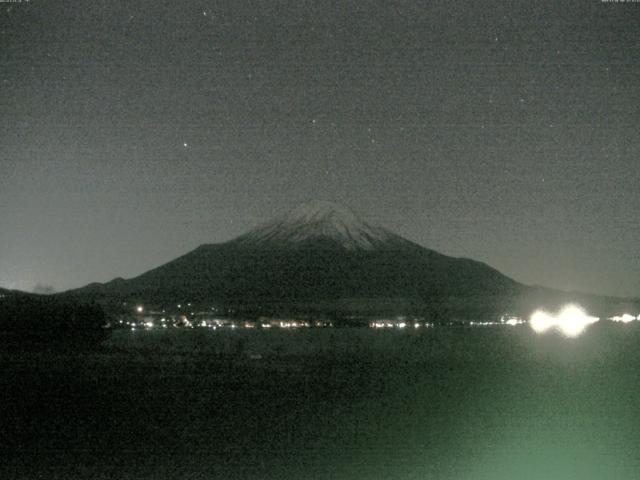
[(320, 257)]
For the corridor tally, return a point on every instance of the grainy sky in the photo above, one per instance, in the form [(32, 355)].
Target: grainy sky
[(131, 132)]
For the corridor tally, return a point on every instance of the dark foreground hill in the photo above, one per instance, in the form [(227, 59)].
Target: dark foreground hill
[(29, 320), (321, 258)]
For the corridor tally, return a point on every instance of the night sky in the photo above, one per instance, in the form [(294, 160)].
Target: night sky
[(132, 132)]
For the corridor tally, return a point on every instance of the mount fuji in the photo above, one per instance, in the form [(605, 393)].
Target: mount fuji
[(321, 258)]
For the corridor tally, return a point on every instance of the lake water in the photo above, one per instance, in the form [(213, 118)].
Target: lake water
[(451, 402)]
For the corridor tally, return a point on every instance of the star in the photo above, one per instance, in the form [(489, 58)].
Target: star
[(185, 144)]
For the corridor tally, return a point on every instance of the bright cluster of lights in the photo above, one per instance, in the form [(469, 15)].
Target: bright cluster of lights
[(625, 318), (292, 324), (512, 322), (571, 321), (398, 324)]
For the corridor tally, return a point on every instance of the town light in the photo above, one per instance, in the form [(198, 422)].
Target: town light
[(541, 321), (625, 318), (571, 321)]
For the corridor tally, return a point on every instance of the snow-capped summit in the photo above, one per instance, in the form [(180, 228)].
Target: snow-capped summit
[(319, 221)]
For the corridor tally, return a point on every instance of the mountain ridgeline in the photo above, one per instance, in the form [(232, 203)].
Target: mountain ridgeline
[(321, 258)]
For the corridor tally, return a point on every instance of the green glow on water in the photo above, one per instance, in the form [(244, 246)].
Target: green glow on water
[(450, 403)]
